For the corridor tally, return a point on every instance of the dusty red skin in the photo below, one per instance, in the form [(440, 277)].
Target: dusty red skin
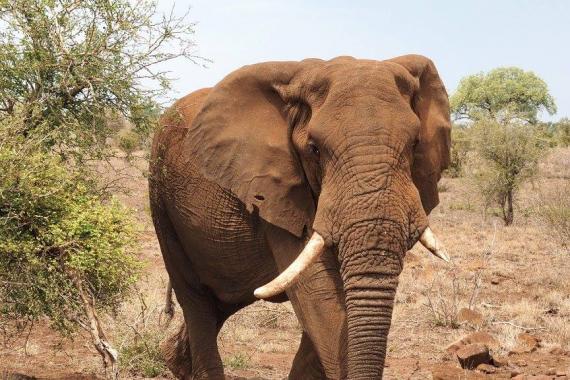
[(244, 172)]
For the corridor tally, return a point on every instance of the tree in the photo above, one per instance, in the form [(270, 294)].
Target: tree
[(562, 132), (69, 65), (459, 152), (502, 108), (510, 150), (68, 68), (505, 89)]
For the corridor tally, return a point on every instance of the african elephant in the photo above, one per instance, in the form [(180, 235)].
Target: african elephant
[(341, 157)]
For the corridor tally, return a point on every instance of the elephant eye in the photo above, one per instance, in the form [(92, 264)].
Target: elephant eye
[(314, 149)]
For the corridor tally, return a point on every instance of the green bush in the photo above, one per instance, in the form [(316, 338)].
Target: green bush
[(53, 232), (129, 142), (554, 210), (508, 152), (142, 355), (460, 147), (238, 361), (562, 132)]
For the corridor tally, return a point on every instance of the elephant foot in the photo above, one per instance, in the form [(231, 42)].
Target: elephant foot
[(306, 365), (178, 357), (176, 352)]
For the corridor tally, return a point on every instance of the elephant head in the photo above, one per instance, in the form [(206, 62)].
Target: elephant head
[(348, 151)]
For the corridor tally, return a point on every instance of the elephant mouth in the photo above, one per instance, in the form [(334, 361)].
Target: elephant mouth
[(315, 247)]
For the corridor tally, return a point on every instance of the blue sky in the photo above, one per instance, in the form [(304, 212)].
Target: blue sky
[(461, 37)]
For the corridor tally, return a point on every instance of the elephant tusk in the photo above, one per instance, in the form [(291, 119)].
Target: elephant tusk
[(429, 241), (313, 249)]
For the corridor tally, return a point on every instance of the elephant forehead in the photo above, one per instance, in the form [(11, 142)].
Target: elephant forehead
[(353, 73)]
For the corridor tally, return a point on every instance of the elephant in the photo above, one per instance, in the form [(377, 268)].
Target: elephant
[(305, 181)]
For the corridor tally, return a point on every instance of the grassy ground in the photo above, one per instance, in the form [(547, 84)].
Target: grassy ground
[(516, 277)]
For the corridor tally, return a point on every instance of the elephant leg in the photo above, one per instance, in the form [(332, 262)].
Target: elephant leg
[(192, 353), (177, 349), (306, 365), (318, 301), (203, 322)]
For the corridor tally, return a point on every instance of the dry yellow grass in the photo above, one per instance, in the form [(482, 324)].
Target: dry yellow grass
[(517, 277)]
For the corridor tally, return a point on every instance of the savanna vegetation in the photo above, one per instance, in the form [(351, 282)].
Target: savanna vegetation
[(72, 76), (498, 132)]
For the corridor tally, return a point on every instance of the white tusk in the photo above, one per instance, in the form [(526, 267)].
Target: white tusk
[(429, 241), (313, 249)]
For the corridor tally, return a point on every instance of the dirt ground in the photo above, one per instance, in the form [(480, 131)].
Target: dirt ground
[(516, 279)]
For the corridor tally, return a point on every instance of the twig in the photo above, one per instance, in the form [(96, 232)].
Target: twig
[(108, 353), (28, 337), (517, 326)]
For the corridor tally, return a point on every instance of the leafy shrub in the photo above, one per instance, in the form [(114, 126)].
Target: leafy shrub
[(562, 132), (554, 210), (58, 240), (508, 152), (139, 339), (238, 361), (460, 147), (129, 142), (142, 356)]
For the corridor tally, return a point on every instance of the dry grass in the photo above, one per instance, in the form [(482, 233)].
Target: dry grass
[(553, 208), (256, 333), (521, 274)]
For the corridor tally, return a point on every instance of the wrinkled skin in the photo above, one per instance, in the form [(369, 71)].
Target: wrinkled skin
[(243, 173)]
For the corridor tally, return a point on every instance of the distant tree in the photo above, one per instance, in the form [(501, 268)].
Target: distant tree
[(505, 90), (501, 107), (460, 148), (554, 210), (510, 151), (562, 132)]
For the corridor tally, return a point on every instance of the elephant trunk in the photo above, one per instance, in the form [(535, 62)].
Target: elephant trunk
[(371, 250), (369, 303)]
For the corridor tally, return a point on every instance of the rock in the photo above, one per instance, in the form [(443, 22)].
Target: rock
[(560, 373), (500, 361), (486, 368), (495, 281), (525, 343), (519, 377), (472, 355), (540, 377), (477, 337), (558, 351), (469, 316), (454, 347), (526, 338), (515, 372), (551, 372), (16, 376)]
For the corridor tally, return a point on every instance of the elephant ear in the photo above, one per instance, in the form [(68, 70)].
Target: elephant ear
[(241, 140), (430, 103)]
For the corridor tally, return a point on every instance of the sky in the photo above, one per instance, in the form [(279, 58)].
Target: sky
[(461, 37)]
